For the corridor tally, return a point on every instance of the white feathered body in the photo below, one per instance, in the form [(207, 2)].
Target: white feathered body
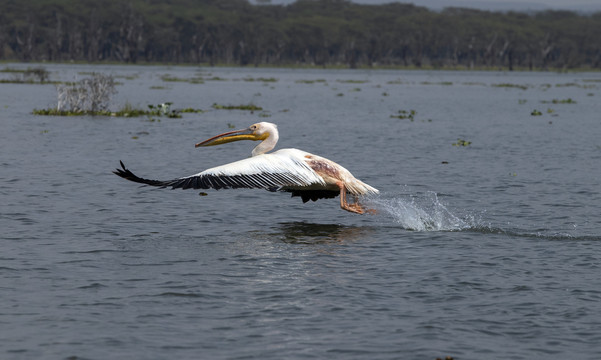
[(289, 169)]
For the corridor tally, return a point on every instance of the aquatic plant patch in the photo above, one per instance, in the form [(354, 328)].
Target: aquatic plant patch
[(193, 80), (248, 107), (405, 114), (536, 113), (310, 81), (445, 83), (353, 81), (37, 75), (559, 101), (461, 142), (159, 110), (260, 79), (510, 86)]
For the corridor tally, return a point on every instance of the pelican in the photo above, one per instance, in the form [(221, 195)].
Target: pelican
[(303, 174)]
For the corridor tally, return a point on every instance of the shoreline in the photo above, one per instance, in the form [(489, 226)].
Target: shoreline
[(308, 66)]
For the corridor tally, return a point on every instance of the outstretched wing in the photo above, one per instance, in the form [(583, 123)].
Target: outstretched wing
[(282, 169)]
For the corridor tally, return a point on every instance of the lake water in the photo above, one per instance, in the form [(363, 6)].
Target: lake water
[(490, 250)]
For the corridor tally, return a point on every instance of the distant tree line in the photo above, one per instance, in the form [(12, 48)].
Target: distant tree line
[(311, 32)]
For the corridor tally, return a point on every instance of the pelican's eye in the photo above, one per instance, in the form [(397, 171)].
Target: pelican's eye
[(253, 127)]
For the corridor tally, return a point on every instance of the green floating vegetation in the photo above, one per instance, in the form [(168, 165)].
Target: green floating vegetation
[(127, 77), (172, 78), (404, 114), (310, 81), (445, 83), (473, 83), (193, 80), (30, 82), (461, 142), (558, 101), (191, 110), (573, 84), (249, 107), (568, 84), (508, 85), (395, 82), (37, 75), (11, 70), (57, 112), (536, 113), (353, 81), (260, 79), (163, 109), (159, 110), (522, 101)]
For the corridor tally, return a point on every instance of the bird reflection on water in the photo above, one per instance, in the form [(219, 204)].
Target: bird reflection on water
[(310, 233)]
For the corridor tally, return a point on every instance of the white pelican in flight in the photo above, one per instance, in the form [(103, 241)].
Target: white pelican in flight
[(303, 174)]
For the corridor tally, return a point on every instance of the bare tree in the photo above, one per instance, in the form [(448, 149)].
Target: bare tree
[(87, 95)]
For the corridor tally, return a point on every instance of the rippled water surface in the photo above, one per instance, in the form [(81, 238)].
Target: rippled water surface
[(490, 250)]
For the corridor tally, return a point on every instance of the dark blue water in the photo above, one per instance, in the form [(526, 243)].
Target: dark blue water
[(490, 250)]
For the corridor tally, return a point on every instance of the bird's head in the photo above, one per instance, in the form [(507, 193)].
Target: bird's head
[(255, 132)]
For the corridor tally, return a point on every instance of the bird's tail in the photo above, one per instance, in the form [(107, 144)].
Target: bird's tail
[(358, 187)]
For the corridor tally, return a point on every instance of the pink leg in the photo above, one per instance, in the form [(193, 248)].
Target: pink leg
[(354, 208)]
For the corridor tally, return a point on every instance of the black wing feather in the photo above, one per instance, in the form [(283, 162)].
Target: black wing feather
[(192, 182), (205, 181)]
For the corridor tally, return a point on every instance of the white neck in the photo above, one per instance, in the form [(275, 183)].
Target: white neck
[(267, 144)]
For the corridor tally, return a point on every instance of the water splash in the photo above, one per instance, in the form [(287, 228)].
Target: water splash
[(423, 212), (426, 212)]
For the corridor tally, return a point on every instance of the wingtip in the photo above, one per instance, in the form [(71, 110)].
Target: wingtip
[(121, 171)]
